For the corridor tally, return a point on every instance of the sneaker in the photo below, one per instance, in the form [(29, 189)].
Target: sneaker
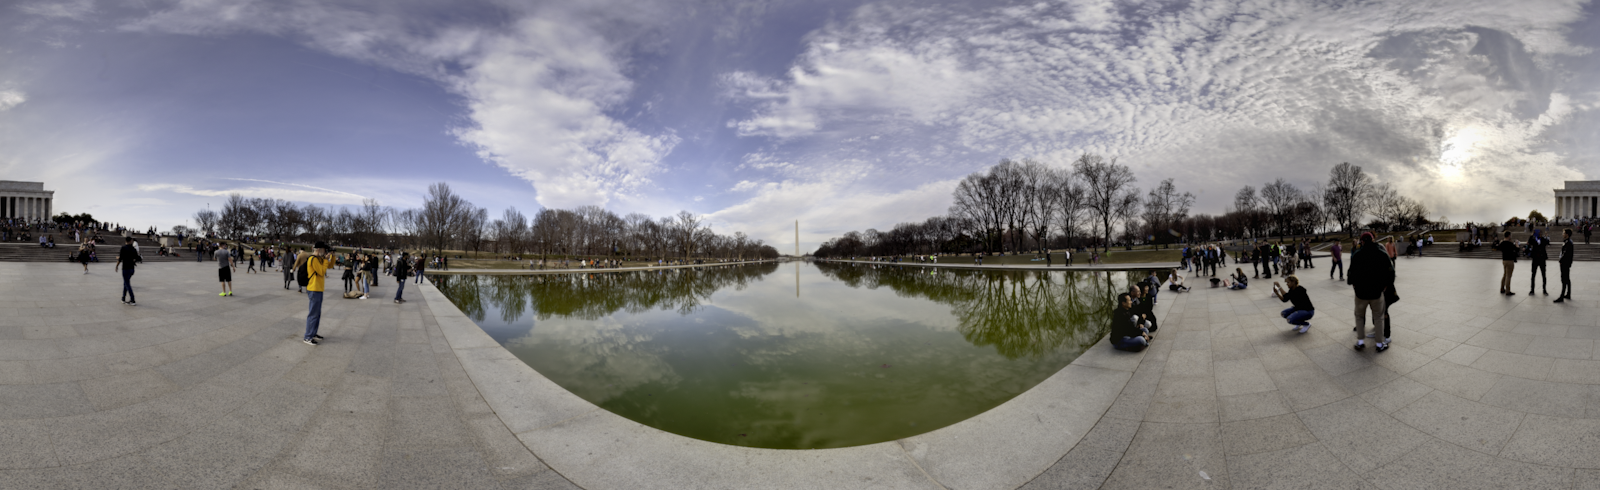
[(1558, 300), (1304, 328), (1372, 334), (1360, 344), (130, 303), (222, 294), (309, 341), (317, 337), (1381, 346)]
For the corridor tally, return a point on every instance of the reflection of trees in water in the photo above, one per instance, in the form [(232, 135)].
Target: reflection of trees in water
[(1020, 313), (591, 296)]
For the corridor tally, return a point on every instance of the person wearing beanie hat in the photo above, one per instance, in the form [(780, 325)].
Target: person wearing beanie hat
[(1371, 272)]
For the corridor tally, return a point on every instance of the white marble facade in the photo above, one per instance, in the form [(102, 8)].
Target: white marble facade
[(26, 200)]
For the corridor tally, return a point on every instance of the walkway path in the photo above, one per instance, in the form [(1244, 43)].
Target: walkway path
[(191, 390), (1479, 391)]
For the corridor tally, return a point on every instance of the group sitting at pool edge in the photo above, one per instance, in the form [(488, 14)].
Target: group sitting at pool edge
[(1133, 323)]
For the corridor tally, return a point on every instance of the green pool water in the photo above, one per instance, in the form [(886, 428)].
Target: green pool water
[(794, 356)]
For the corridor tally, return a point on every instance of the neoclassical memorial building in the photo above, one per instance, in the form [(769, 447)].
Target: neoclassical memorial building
[(26, 200)]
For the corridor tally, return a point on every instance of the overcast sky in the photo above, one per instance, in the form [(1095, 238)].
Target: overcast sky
[(841, 114)]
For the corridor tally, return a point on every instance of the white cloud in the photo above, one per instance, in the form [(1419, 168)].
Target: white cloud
[(827, 209), (1217, 95), (539, 85), (292, 192), (65, 9), (11, 98)]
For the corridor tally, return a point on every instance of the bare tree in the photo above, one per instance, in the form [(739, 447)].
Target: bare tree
[(1164, 207), (1108, 191), (439, 220), (1280, 198), (1347, 196), (206, 219)]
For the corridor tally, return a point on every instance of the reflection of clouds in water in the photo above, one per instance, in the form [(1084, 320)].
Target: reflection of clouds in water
[(598, 360), (806, 372), (841, 304)]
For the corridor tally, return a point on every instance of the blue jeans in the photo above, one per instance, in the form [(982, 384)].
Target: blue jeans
[(1298, 317), (1131, 344), (400, 290), (127, 287), (314, 317)]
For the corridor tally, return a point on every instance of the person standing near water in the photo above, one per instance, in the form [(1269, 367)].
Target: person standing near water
[(1537, 254), (1565, 263), (1508, 259)]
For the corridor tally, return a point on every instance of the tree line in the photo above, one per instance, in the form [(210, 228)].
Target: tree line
[(448, 221), (1026, 206)]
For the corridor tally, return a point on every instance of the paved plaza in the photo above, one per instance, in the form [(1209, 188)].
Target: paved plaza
[(191, 390)]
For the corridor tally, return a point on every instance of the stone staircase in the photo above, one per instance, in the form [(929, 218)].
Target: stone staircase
[(65, 247), (1580, 251)]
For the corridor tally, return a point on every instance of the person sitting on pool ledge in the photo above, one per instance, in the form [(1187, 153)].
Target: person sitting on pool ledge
[(1143, 307), (1126, 334)]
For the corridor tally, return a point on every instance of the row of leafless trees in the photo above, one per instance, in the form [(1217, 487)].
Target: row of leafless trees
[(447, 221), (1025, 206)]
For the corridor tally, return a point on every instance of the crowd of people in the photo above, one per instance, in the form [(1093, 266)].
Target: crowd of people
[(1371, 276)]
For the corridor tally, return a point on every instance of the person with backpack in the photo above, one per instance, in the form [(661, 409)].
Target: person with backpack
[(312, 269), (402, 270)]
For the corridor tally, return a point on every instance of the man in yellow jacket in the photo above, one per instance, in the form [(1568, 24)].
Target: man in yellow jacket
[(316, 267)]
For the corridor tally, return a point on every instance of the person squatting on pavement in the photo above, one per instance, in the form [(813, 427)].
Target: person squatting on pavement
[(1300, 309), (1370, 273)]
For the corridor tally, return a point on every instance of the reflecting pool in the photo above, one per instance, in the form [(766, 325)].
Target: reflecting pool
[(794, 356)]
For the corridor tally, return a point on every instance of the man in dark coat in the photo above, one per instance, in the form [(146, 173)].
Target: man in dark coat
[(1565, 262), (1370, 273), (1538, 254)]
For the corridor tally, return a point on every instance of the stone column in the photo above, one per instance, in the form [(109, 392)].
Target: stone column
[(47, 204)]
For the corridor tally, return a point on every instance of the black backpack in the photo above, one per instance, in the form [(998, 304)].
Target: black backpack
[(301, 275)]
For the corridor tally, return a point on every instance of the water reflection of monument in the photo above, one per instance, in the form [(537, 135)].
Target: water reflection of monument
[(1020, 313)]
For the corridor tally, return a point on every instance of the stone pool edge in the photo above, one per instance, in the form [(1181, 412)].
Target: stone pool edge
[(1004, 447)]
